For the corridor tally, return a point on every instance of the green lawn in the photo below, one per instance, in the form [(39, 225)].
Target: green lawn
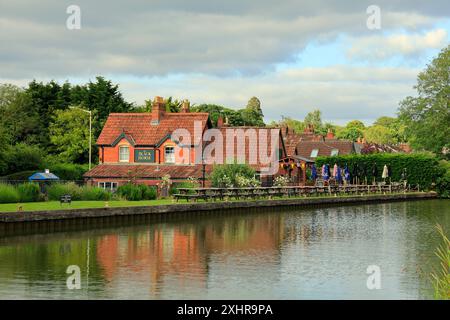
[(55, 205)]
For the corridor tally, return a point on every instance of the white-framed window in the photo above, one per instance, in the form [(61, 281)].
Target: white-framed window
[(334, 152), (110, 186), (169, 154), (124, 154), (314, 153)]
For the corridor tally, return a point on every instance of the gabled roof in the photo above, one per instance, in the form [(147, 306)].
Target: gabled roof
[(138, 129), (325, 147)]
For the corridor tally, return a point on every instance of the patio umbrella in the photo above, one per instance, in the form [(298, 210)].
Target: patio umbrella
[(323, 170), (385, 173), (335, 170), (355, 173), (347, 173), (326, 172), (374, 172), (313, 172), (338, 175), (363, 172)]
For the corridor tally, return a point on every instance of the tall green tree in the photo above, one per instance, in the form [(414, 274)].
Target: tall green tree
[(45, 99), (352, 131), (314, 118), (101, 96), (69, 133), (427, 115), (379, 134), (18, 121)]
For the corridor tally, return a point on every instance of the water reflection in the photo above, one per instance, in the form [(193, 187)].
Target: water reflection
[(309, 253)]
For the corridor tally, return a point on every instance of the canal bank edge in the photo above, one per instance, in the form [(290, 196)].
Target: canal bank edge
[(30, 216)]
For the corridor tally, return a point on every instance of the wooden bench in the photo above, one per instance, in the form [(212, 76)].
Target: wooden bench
[(67, 198)]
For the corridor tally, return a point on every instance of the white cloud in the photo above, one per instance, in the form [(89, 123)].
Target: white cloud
[(384, 47)]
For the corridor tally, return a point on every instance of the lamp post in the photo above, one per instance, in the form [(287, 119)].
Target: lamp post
[(90, 132)]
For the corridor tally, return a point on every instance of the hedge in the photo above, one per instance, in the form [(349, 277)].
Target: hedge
[(422, 169), (29, 192), (69, 171)]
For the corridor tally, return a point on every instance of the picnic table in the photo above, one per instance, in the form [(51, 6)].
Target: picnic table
[(283, 191)]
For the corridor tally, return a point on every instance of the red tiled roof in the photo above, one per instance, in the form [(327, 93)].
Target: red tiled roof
[(146, 171), (138, 127), (304, 148)]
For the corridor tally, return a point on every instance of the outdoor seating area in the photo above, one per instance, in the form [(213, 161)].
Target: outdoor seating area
[(222, 194)]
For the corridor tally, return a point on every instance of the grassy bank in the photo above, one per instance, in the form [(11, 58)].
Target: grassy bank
[(55, 205)]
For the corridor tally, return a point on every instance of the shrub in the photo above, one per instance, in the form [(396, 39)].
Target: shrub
[(422, 169), (56, 190), (133, 192), (8, 194), (281, 181), (23, 157), (68, 171), (89, 193), (29, 192), (226, 175), (443, 182), (148, 193)]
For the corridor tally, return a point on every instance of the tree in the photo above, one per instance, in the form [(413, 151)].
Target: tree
[(102, 96), (314, 118), (352, 131), (427, 116), (18, 121), (255, 106), (396, 127), (45, 99), (69, 133), (379, 134), (297, 125)]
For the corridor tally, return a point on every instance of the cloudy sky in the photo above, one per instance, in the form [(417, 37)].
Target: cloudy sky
[(295, 56)]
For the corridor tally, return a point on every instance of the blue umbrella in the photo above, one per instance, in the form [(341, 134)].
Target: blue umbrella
[(347, 173), (313, 172), (339, 175), (326, 175)]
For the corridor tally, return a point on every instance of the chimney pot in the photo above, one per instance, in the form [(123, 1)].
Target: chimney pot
[(219, 122), (185, 106), (158, 110)]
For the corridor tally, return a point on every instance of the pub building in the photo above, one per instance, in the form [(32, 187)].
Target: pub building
[(138, 148)]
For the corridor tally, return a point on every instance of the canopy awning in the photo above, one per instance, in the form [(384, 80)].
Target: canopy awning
[(43, 176)]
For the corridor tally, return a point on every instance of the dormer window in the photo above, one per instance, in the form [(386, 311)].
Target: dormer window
[(124, 154), (314, 153)]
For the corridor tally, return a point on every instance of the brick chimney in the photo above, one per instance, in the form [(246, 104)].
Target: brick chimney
[(220, 122), (158, 110), (330, 134), (185, 106)]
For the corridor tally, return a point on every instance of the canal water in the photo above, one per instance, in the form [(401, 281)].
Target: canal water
[(311, 253)]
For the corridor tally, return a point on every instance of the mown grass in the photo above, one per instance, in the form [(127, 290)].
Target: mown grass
[(55, 205)]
